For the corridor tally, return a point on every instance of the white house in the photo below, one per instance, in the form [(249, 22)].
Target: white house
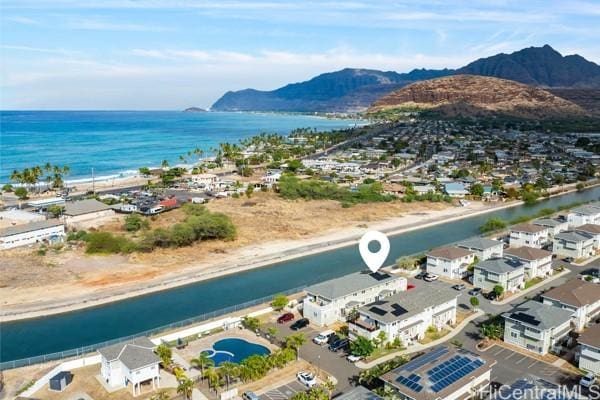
[(506, 272), (536, 327), (87, 211), (456, 189), (593, 230), (528, 235), (586, 214), (331, 301), (554, 225), (580, 297), (207, 181), (573, 244), (450, 262), (537, 262), (589, 351), (34, 232), (272, 176), (131, 362), (445, 372), (407, 315), (483, 248)]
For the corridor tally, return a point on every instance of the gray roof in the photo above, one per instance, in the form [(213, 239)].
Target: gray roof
[(572, 236), (403, 305), (30, 227), (84, 207), (479, 243), (549, 222), (348, 284), (134, 354), (588, 209), (538, 315), (359, 393), (500, 265)]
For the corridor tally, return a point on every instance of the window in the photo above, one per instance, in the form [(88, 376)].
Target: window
[(514, 335)]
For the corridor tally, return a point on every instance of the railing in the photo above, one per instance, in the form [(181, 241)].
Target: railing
[(80, 351)]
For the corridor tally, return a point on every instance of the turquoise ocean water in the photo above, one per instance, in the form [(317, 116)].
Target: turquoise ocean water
[(119, 142)]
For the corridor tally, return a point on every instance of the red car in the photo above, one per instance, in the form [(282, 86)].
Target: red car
[(287, 317)]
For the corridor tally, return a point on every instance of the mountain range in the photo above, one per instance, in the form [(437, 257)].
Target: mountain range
[(350, 89)]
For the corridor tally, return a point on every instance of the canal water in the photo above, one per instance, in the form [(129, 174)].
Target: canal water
[(85, 327)]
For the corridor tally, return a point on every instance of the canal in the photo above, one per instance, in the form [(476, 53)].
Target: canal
[(33, 337)]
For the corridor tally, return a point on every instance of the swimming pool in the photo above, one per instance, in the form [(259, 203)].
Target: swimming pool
[(234, 350)]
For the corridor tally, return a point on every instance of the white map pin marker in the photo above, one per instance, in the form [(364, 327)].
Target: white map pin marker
[(374, 260)]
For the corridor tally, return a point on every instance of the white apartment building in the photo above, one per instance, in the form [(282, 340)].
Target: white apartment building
[(505, 272), (483, 248), (554, 225), (331, 301), (528, 235), (34, 232), (450, 262), (537, 262), (407, 315), (586, 214), (592, 230), (580, 297), (589, 351), (573, 244)]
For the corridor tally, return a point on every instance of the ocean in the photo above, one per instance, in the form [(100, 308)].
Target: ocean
[(117, 143)]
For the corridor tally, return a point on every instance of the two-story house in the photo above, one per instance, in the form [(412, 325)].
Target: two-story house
[(537, 262), (586, 214), (589, 350), (573, 244), (450, 262), (483, 248), (528, 235), (536, 327), (331, 301), (407, 315), (505, 272), (554, 225), (592, 230), (580, 297)]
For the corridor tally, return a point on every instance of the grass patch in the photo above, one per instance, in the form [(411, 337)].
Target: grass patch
[(533, 282)]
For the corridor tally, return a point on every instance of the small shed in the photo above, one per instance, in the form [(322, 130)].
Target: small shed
[(60, 381)]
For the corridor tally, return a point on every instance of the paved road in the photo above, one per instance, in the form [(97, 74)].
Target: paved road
[(283, 392)]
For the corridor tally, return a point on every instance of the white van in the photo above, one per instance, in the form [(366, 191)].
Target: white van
[(323, 337)]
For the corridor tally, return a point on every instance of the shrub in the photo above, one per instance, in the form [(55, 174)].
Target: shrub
[(21, 193), (279, 302), (105, 242), (79, 235), (492, 224), (135, 222), (8, 188)]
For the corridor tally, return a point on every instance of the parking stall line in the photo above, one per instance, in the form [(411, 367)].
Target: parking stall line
[(521, 360), (512, 353), (498, 352), (532, 364)]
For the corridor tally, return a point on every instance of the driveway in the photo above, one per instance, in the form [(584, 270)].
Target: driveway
[(283, 392)]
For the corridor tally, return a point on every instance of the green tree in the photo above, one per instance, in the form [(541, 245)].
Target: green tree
[(203, 361), (8, 188), (251, 323), (212, 375), (476, 189), (279, 302), (185, 388), (498, 290), (21, 193), (165, 353), (474, 301), (406, 263), (135, 222), (492, 330), (144, 171), (362, 347), (229, 370), (492, 224), (56, 210), (294, 342), (580, 186), (249, 190)]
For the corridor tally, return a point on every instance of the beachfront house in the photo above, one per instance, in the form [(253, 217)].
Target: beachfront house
[(580, 297), (450, 262), (456, 189), (585, 214), (589, 350), (593, 230), (573, 244), (204, 181), (132, 362), (46, 231), (554, 225), (483, 248), (445, 372), (506, 272), (536, 327), (407, 315), (528, 235), (332, 301), (85, 212), (537, 262)]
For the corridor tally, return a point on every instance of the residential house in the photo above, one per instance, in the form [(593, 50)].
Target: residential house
[(593, 230), (450, 262), (445, 372), (554, 225), (132, 362), (483, 248), (331, 301), (424, 189), (272, 176), (537, 262), (536, 327), (506, 272), (33, 232), (85, 212), (573, 244), (586, 214), (407, 315), (589, 350), (358, 393), (456, 189), (528, 235), (206, 181), (578, 296)]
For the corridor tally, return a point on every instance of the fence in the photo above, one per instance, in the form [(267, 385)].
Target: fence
[(80, 351)]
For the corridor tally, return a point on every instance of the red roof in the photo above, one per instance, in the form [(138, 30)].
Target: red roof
[(172, 202)]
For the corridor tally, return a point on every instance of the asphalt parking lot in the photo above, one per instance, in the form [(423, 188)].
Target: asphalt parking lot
[(283, 392)]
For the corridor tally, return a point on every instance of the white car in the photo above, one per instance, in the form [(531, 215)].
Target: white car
[(352, 358), (587, 380), (307, 379), (323, 337), (430, 277)]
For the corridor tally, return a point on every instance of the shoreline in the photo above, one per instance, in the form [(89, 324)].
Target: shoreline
[(329, 241)]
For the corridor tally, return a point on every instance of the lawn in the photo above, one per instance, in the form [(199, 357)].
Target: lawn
[(533, 282)]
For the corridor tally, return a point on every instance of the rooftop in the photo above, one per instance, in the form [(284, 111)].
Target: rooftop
[(348, 284), (538, 315), (359, 393), (548, 222), (589, 228), (134, 354), (575, 292), (527, 253), (591, 336), (529, 228), (438, 373), (573, 236), (86, 206), (449, 253), (29, 227), (479, 243), (500, 265), (403, 305), (588, 209)]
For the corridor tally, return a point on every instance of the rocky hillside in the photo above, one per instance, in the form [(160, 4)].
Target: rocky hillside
[(470, 95)]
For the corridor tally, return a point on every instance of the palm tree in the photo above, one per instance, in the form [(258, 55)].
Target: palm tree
[(213, 377), (329, 386), (295, 342), (164, 163), (185, 387), (202, 362), (16, 176), (229, 370)]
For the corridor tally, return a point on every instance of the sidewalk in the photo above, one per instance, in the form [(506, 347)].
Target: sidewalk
[(587, 261), (531, 289), (420, 347)]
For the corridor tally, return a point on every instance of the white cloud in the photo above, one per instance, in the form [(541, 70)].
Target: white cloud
[(98, 25)]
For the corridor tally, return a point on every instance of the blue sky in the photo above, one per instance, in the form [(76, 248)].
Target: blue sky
[(171, 54)]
